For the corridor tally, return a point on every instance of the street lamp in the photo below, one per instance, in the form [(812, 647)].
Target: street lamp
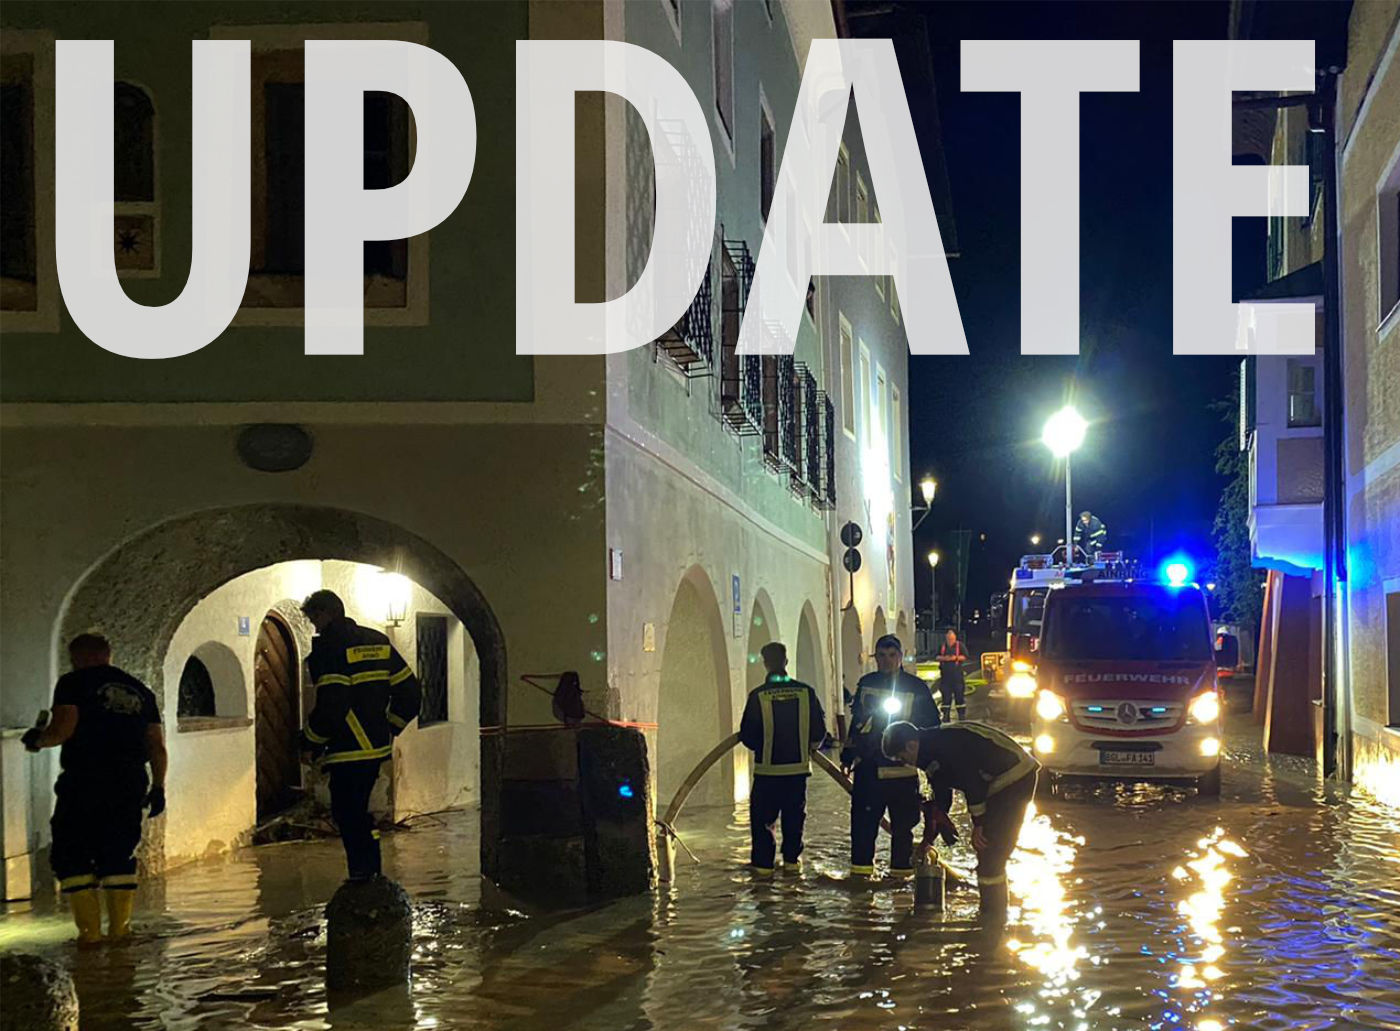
[(1063, 433), (1035, 540), (933, 598), (928, 487)]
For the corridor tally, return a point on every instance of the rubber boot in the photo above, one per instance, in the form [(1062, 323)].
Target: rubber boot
[(994, 900), (120, 903), (87, 915)]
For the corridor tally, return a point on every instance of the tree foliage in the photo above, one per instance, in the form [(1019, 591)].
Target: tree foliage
[(1238, 585)]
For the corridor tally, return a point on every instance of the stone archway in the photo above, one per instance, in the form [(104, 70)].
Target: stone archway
[(878, 628), (901, 630), (694, 707), (140, 592), (763, 627), (808, 661)]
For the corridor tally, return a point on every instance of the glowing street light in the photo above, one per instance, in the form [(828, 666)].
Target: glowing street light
[(1035, 539), (933, 559), (1063, 434), (928, 487), (933, 598)]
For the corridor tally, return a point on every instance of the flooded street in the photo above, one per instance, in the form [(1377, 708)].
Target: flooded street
[(1132, 907)]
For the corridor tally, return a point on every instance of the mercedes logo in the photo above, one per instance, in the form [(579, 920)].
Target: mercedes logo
[(1127, 713)]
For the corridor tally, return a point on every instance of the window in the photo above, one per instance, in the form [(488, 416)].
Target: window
[(1158, 625), (135, 230), (863, 399), (862, 207), (894, 304), (767, 170), (196, 690), (896, 434), (432, 667), (879, 280), (843, 185), (882, 411), (1388, 224), (19, 264), (722, 18), (848, 372), (1303, 409), (396, 271)]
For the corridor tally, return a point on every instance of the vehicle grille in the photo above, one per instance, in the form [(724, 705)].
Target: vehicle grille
[(1127, 715)]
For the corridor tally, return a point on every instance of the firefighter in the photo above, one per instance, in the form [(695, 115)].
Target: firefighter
[(951, 684), (880, 784), (109, 728), (782, 722), (995, 774), (1090, 534), (365, 696)]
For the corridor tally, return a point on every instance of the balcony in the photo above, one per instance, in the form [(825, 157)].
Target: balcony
[(690, 343), (779, 413), (741, 376), (826, 498)]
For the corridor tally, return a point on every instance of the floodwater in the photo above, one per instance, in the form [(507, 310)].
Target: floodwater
[(1277, 906)]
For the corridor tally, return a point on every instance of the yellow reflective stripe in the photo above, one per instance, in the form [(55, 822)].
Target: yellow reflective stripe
[(998, 879), (401, 676), (1011, 776), (763, 871), (862, 869), (78, 882), (358, 730), (781, 769), (367, 653), (389, 715), (765, 753), (1024, 762), (895, 772), (121, 880), (332, 678), (977, 808), (314, 737), (370, 676), (346, 757)]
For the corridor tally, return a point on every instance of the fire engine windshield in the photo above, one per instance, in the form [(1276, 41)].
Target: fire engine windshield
[(1027, 610), (1159, 625)]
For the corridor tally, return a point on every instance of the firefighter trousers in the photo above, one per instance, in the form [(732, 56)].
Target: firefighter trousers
[(871, 798), (351, 785), (96, 827), (1006, 811), (953, 688), (772, 799)]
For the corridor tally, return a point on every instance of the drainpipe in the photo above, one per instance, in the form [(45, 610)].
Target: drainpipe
[(1336, 699)]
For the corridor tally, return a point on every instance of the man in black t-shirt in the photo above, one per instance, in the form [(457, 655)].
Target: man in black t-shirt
[(109, 728)]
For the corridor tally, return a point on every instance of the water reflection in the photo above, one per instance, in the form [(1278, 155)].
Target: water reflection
[(1136, 907)]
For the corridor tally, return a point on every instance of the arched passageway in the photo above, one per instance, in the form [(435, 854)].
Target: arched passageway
[(140, 593), (694, 709), (878, 628), (808, 665)]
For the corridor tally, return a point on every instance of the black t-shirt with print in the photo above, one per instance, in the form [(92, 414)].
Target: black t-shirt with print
[(114, 710)]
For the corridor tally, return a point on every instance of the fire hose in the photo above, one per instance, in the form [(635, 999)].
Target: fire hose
[(667, 832)]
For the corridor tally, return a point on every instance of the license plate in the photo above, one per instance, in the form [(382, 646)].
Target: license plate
[(1107, 758)]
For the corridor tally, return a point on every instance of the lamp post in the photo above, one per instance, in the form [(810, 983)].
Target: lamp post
[(928, 487), (1035, 540), (933, 597), (1063, 433)]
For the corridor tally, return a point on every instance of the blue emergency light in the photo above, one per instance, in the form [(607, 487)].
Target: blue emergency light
[(624, 789), (1177, 572)]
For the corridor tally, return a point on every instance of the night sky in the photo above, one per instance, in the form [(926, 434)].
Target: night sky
[(1147, 467)]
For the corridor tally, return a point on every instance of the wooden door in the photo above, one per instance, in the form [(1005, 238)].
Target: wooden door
[(278, 718)]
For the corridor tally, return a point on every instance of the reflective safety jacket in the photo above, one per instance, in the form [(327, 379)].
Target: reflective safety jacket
[(1091, 535), (870, 715), (782, 722), (978, 760), (365, 694)]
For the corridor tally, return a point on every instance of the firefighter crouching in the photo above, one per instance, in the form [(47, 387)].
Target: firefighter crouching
[(365, 696), (995, 774), (882, 784), (782, 722)]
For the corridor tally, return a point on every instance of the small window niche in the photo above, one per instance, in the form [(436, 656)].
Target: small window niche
[(136, 220)]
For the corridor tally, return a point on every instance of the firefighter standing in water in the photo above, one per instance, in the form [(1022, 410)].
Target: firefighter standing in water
[(996, 776), (782, 722), (365, 696), (109, 728), (951, 683), (881, 784)]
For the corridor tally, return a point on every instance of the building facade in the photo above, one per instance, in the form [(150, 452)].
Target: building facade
[(648, 519)]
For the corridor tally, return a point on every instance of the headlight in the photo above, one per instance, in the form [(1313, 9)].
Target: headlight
[(1020, 685), (1205, 708), (1044, 744), (1049, 706), (1021, 666)]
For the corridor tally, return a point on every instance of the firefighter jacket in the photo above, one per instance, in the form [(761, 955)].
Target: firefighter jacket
[(782, 722), (365, 694), (870, 717), (1090, 536), (978, 760)]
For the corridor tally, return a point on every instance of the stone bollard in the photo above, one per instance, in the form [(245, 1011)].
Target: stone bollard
[(38, 995), (369, 935)]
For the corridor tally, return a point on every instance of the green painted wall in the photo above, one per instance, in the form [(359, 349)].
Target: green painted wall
[(467, 352)]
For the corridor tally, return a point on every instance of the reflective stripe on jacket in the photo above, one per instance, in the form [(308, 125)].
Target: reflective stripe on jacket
[(978, 760), (870, 717), (365, 694), (782, 722)]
